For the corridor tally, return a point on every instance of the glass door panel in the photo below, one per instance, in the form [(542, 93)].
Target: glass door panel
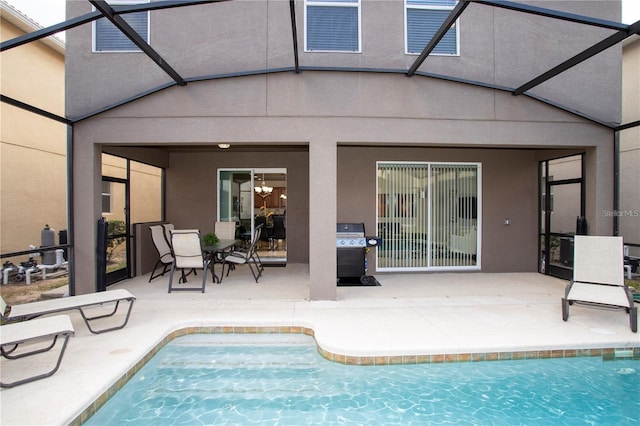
[(561, 206), (427, 216), (566, 209), (235, 200), (454, 215), (115, 212), (240, 201)]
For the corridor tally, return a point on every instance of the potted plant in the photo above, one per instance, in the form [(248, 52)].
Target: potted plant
[(210, 239)]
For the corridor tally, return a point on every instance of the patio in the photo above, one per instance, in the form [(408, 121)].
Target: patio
[(503, 315)]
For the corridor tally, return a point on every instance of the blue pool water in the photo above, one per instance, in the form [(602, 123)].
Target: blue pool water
[(282, 380)]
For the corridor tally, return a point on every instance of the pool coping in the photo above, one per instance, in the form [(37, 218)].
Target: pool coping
[(607, 354)]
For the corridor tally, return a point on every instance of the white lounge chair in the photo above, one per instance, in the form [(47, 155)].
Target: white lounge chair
[(598, 277), (82, 303), (31, 334)]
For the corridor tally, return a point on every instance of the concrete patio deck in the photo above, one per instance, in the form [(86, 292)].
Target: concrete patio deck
[(408, 315)]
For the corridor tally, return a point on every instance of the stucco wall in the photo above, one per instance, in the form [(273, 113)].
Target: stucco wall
[(33, 189), (509, 190), (192, 184), (630, 147), (422, 115), (497, 46), (334, 111)]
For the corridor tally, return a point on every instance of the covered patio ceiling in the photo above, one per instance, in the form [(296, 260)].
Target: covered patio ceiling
[(113, 13)]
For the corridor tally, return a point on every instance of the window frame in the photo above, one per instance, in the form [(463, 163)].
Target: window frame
[(333, 3), (407, 6), (120, 3), (106, 197)]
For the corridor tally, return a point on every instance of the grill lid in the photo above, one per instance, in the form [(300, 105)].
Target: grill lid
[(350, 235), (354, 230)]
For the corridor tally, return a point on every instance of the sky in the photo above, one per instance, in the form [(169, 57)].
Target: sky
[(50, 12)]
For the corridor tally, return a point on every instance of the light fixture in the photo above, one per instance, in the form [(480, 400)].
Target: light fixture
[(263, 191), (224, 145)]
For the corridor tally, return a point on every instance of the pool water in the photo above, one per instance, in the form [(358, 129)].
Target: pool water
[(277, 379)]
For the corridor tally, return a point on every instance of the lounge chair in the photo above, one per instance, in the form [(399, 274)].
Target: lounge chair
[(82, 303), (187, 254), (165, 258), (246, 256), (598, 277), (31, 334)]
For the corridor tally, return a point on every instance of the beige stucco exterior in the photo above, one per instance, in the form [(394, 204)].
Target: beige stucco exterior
[(328, 128), (630, 146), (33, 170), (33, 148)]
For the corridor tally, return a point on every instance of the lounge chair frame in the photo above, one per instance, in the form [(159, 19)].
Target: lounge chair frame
[(80, 303), (50, 328), (598, 277)]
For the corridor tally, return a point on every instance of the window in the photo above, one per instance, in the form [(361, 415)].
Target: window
[(424, 18), (429, 216), (332, 25), (106, 197), (108, 38)]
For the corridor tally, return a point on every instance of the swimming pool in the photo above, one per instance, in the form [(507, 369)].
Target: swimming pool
[(274, 379)]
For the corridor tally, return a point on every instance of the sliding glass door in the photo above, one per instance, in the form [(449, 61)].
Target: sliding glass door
[(428, 216), (251, 197)]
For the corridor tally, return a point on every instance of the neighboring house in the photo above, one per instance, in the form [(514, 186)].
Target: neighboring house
[(446, 167), (33, 169), (630, 147), (33, 148)]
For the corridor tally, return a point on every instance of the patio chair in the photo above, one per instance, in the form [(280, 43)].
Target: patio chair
[(598, 277), (225, 230), (187, 254), (32, 334), (165, 259), (168, 227), (279, 229), (82, 303), (246, 256)]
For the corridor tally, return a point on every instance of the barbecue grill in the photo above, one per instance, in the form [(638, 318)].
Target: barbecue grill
[(351, 247)]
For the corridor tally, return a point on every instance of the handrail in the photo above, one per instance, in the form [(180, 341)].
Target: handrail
[(36, 250)]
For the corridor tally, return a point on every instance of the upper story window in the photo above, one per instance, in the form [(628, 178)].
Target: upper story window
[(108, 38), (332, 25), (424, 18)]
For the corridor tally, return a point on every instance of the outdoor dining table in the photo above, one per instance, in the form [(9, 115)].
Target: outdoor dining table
[(212, 250)]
